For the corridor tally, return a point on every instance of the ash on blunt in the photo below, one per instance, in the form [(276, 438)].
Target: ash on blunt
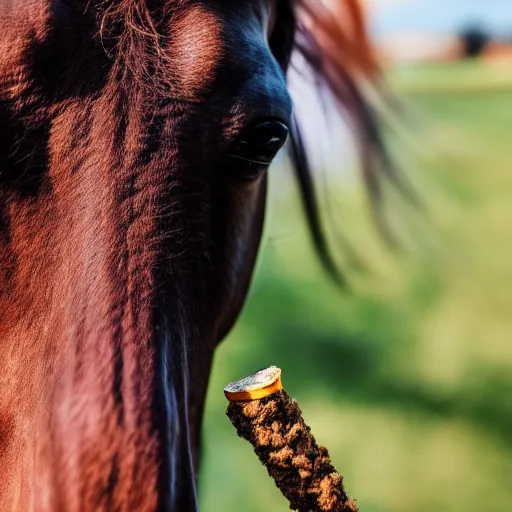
[(264, 414)]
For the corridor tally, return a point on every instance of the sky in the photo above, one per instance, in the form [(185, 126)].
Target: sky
[(444, 17), (439, 16)]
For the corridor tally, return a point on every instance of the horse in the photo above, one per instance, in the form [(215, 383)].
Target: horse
[(135, 138)]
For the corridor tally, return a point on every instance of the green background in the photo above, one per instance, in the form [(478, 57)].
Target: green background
[(406, 378)]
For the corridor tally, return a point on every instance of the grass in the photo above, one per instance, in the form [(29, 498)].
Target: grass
[(407, 380), (463, 77)]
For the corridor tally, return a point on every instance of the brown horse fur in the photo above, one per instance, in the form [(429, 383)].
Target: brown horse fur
[(127, 240)]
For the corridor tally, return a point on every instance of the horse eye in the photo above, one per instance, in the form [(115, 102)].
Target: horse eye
[(260, 143)]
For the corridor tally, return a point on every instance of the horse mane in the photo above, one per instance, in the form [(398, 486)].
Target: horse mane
[(333, 40)]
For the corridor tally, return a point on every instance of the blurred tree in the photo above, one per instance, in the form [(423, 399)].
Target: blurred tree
[(474, 40)]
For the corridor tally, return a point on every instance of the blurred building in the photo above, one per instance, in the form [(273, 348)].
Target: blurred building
[(415, 47)]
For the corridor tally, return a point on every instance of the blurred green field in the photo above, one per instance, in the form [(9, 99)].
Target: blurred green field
[(407, 379)]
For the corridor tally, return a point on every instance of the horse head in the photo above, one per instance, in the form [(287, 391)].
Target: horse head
[(135, 136)]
